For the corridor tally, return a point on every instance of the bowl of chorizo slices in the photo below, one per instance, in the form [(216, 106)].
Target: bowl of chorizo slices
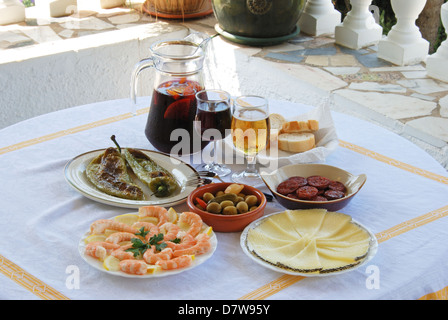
[(305, 186)]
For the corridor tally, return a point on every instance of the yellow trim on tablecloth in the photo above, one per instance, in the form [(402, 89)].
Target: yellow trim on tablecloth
[(287, 280), (439, 295), (28, 281), (39, 288)]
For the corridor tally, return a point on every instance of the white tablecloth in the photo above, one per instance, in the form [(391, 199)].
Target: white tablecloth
[(42, 219)]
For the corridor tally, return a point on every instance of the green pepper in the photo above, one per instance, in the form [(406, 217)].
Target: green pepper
[(109, 174), (159, 180)]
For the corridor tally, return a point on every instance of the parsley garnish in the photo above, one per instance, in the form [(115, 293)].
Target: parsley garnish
[(139, 247)]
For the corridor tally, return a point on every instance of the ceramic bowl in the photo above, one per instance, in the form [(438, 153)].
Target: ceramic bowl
[(227, 223), (353, 184)]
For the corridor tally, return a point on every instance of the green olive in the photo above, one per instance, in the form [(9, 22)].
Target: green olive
[(219, 193), (214, 207), (253, 208), (239, 199), (242, 207), (207, 196), (230, 210), (226, 203), (251, 200)]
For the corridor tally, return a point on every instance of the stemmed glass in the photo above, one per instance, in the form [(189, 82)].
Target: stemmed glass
[(250, 134), (212, 123)]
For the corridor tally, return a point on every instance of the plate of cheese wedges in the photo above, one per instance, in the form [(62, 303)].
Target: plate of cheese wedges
[(307, 137), (310, 243)]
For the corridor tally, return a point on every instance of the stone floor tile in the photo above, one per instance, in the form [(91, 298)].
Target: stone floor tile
[(436, 127), (376, 86), (41, 34), (321, 61), (414, 74), (124, 18), (89, 23), (423, 86), (372, 61), (339, 71), (284, 56), (343, 60), (392, 105), (423, 97), (443, 102)]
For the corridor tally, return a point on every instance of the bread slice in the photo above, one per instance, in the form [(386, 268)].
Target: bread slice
[(300, 126), (276, 122), (296, 142)]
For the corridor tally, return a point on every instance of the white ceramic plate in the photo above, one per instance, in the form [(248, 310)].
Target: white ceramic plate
[(97, 264), (75, 174), (243, 242)]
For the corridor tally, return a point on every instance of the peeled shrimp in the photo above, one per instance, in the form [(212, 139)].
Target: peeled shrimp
[(133, 266), (176, 263), (122, 254), (154, 211), (147, 226), (169, 230), (202, 246), (99, 250), (118, 237), (100, 226), (186, 241), (193, 221), (151, 257)]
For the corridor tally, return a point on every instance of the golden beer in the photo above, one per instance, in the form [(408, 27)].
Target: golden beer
[(250, 130)]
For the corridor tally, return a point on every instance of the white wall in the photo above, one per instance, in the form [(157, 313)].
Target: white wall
[(51, 76)]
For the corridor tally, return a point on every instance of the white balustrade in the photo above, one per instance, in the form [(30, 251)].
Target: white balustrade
[(437, 63), (56, 8), (359, 29), (319, 17), (11, 11), (404, 44)]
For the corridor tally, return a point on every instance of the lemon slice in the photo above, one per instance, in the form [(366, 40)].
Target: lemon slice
[(172, 215), (207, 230), (153, 268), (128, 218), (111, 263), (95, 238)]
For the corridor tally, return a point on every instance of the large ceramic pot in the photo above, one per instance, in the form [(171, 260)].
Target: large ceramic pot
[(258, 18)]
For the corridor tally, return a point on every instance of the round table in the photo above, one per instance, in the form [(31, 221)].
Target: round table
[(404, 203)]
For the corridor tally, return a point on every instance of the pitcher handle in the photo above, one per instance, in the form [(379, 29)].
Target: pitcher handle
[(139, 67)]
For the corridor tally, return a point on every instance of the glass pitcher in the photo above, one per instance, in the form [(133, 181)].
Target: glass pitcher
[(178, 76)]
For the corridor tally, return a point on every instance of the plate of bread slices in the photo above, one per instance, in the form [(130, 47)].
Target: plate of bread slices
[(307, 137)]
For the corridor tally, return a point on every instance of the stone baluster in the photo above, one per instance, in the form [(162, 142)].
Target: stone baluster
[(359, 29), (11, 11), (56, 8), (437, 63), (319, 17), (404, 45)]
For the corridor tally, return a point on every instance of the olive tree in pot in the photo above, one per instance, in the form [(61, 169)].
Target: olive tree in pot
[(258, 21)]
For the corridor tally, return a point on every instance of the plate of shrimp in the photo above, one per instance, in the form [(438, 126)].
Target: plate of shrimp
[(154, 242)]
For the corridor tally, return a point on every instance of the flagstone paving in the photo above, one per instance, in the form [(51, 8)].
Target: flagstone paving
[(403, 99)]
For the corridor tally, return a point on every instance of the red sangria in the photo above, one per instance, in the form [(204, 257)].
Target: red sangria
[(173, 106)]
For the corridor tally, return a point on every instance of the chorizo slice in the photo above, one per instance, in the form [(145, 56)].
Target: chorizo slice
[(300, 180), (307, 192), (318, 182), (288, 186), (334, 194), (337, 185)]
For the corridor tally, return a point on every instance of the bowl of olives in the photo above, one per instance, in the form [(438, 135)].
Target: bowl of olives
[(227, 207)]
